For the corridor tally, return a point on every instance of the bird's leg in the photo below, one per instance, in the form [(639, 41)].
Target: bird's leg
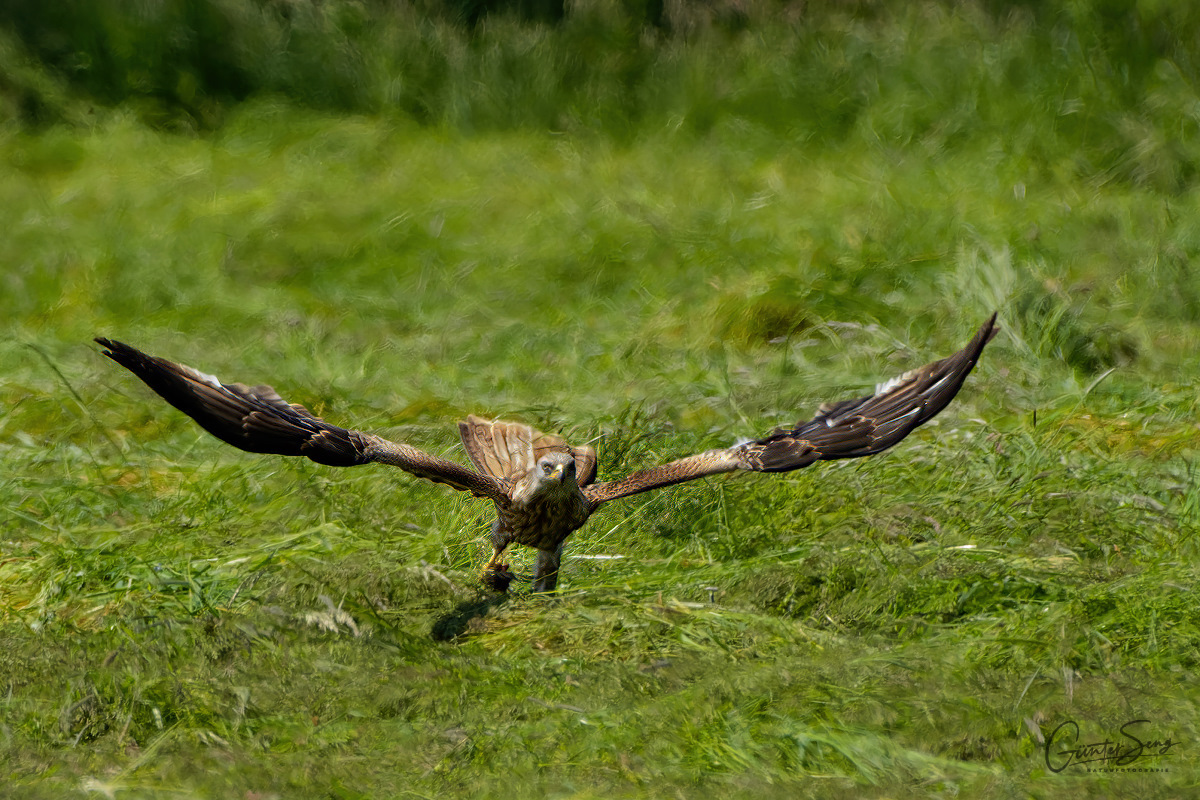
[(496, 575), (545, 574)]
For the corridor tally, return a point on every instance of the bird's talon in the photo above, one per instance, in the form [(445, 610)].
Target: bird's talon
[(497, 577)]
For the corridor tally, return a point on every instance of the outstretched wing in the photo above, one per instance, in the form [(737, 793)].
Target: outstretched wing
[(256, 419), (853, 428)]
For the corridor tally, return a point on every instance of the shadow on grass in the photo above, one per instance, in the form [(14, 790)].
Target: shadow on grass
[(466, 618)]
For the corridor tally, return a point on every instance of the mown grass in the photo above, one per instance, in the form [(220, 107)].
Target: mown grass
[(181, 618)]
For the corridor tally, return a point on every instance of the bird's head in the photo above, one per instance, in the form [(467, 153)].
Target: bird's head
[(555, 468), (553, 474)]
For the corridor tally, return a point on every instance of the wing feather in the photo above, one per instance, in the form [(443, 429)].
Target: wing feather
[(853, 428), (509, 450), (257, 420)]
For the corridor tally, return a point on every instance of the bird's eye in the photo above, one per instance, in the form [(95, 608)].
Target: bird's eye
[(546, 468)]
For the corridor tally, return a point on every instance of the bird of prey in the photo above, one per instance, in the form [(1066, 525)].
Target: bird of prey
[(543, 488)]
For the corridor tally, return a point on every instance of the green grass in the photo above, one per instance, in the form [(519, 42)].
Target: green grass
[(182, 619)]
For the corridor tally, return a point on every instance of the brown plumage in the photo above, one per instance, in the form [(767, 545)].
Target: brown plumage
[(542, 487)]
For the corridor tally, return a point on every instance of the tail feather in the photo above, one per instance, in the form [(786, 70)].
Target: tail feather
[(508, 450)]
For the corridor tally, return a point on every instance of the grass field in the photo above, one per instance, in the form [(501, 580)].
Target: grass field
[(182, 619)]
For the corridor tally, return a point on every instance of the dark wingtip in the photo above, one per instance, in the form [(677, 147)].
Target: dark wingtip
[(114, 349), (987, 331), (991, 327)]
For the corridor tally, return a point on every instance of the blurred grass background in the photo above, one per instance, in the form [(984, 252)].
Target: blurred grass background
[(658, 226)]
